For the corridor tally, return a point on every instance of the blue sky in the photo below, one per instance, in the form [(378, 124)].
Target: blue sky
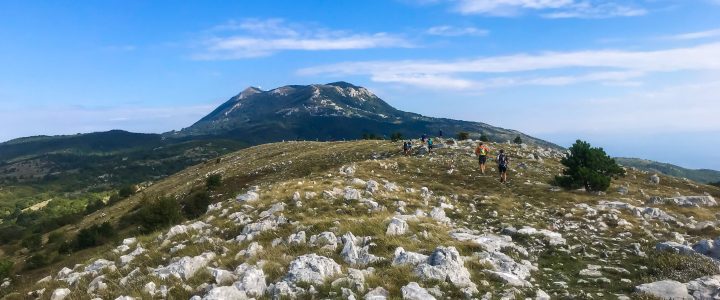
[(640, 78)]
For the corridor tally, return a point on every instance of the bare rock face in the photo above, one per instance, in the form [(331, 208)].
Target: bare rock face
[(312, 268)]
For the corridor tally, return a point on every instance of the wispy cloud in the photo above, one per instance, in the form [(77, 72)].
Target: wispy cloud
[(120, 48), (256, 38), (575, 67), (553, 9), (446, 30), (695, 35)]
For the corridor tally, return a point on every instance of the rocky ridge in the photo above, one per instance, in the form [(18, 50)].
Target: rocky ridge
[(387, 227)]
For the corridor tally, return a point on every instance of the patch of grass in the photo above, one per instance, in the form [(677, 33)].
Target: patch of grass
[(683, 268)]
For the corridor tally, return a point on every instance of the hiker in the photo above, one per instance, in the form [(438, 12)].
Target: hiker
[(503, 162), (430, 145), (482, 152), (440, 133), (406, 148)]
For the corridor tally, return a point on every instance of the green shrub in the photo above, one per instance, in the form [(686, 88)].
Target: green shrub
[(36, 261), (56, 238), (32, 242), (371, 136), (160, 213), (6, 267), (518, 140), (195, 204), (93, 206), (126, 191), (396, 136), (94, 236), (484, 137), (462, 135), (588, 167), (213, 181)]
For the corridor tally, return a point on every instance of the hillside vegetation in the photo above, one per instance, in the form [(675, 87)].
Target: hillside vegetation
[(340, 219), (700, 175)]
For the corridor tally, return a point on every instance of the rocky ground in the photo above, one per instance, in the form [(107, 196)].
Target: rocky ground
[(428, 226)]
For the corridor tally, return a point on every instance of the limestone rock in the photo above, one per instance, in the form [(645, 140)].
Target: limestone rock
[(312, 268), (665, 289), (413, 291), (397, 227), (60, 294)]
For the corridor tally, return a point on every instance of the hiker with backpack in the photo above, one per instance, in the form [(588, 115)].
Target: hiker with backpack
[(406, 148), (430, 145), (503, 162), (482, 152)]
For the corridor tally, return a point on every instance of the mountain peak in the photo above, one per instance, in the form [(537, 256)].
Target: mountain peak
[(343, 84), (251, 90)]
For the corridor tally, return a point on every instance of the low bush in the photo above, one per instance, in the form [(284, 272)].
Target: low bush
[(195, 204), (157, 214)]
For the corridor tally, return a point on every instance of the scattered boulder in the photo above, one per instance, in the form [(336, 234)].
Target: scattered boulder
[(413, 291), (665, 289), (225, 292), (324, 240), (351, 194), (252, 280), (250, 196), (692, 201), (356, 250), (707, 287), (397, 227), (654, 179), (186, 267), (297, 238), (445, 264), (312, 268), (708, 248), (377, 293), (60, 294), (403, 257)]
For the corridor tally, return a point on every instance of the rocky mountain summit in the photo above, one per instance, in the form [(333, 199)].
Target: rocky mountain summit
[(326, 112), (359, 220)]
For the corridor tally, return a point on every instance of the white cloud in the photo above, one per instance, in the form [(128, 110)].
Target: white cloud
[(548, 8), (256, 38), (446, 30), (696, 35), (596, 65)]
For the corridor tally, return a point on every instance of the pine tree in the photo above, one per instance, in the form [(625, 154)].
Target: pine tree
[(588, 167), (518, 140)]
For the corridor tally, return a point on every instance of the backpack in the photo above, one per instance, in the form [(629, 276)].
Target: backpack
[(502, 160), (481, 150)]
